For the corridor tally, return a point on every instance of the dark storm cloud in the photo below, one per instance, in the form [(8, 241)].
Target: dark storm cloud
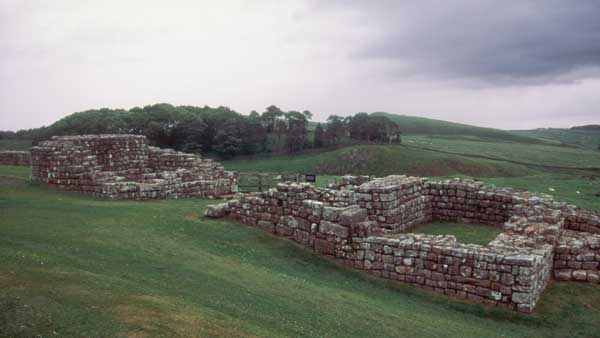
[(492, 41)]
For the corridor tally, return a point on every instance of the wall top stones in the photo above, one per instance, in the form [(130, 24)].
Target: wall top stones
[(390, 184)]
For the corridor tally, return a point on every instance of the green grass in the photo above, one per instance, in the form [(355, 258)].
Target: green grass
[(578, 189), (580, 138), (521, 152), (465, 233), (15, 144), (79, 267), (19, 172), (86, 267), (380, 160)]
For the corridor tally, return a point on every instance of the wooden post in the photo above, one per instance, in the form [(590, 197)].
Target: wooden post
[(260, 182)]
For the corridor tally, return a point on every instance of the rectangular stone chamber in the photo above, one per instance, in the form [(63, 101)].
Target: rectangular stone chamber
[(125, 167), (363, 226)]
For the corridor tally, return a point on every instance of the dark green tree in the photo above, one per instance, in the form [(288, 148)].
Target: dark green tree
[(319, 138), (335, 129), (296, 131)]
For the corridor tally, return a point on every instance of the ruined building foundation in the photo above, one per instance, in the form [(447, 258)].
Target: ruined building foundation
[(125, 167), (362, 223)]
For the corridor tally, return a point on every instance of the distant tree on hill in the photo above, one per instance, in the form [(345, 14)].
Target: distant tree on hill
[(296, 137), (270, 117), (335, 129), (219, 130), (193, 137), (319, 138)]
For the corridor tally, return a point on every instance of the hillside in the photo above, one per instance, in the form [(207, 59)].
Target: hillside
[(412, 125), (83, 267), (578, 137), (380, 161)]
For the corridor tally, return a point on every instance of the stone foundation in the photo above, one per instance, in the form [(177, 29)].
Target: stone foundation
[(364, 227), (18, 158), (125, 167)]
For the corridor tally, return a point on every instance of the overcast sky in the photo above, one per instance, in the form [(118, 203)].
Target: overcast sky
[(504, 64)]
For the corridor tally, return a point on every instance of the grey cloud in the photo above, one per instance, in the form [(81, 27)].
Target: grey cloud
[(498, 42)]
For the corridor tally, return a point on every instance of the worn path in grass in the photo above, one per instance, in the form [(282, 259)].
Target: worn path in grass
[(79, 267)]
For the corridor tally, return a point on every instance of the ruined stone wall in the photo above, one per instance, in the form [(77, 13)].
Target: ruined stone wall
[(362, 228), (490, 275), (470, 202), (124, 167), (18, 158), (582, 220), (577, 257)]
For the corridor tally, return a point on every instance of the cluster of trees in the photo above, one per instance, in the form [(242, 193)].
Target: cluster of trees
[(360, 127), (221, 130)]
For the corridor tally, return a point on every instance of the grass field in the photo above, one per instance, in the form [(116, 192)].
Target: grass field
[(511, 151), (380, 160), (465, 233), (580, 138), (79, 267), (15, 144)]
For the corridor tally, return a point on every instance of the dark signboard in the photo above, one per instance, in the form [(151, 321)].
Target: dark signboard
[(312, 178)]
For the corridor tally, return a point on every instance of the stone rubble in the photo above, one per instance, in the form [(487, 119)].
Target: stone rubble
[(362, 224)]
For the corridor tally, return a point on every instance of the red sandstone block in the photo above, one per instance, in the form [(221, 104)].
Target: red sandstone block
[(324, 246)]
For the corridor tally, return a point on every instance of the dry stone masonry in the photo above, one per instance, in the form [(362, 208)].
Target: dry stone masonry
[(362, 223), (18, 158), (125, 167)]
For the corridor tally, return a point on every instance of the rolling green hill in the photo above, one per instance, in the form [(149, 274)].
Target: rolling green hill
[(412, 125), (588, 139), (380, 160)]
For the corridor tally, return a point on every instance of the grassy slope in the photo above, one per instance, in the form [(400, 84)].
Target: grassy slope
[(411, 125), (380, 161), (522, 152), (75, 266), (581, 138), (581, 190)]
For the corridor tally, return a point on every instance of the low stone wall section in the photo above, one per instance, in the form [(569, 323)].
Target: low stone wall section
[(125, 167), (577, 257), (17, 158)]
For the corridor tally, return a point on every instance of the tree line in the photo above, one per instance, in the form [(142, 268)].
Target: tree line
[(221, 130)]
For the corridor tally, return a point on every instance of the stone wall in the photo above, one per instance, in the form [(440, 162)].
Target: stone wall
[(577, 257), (470, 202), (125, 167), (363, 227), (582, 220), (18, 158)]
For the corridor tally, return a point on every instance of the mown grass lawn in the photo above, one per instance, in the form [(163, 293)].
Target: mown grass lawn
[(74, 266)]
